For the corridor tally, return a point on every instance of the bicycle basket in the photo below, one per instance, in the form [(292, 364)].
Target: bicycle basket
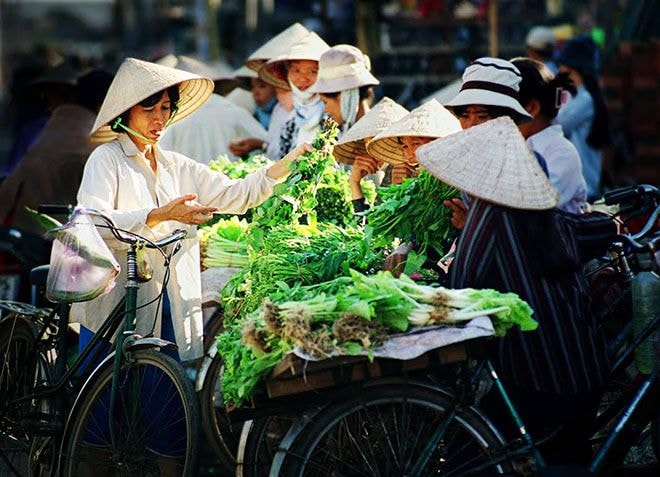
[(82, 266)]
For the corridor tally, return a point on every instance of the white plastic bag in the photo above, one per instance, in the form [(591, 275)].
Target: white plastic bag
[(82, 266)]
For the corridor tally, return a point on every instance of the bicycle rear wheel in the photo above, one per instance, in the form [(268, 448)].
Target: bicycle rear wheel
[(155, 419), (222, 435), (17, 378), (383, 431)]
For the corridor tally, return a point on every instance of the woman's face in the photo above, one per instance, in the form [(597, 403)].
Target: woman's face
[(149, 121), (473, 115), (333, 108), (410, 144), (262, 92), (303, 73)]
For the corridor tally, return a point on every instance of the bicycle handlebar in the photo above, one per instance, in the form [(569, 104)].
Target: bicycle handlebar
[(124, 236), (627, 194)]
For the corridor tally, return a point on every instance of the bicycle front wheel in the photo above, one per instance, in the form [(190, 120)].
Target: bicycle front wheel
[(384, 430), (152, 429)]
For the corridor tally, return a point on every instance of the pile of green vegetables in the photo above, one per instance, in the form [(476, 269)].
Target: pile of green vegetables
[(348, 315), (297, 253), (295, 199), (414, 210), (239, 168), (224, 243)]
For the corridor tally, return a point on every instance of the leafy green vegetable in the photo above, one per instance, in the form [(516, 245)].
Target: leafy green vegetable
[(414, 210), (348, 315)]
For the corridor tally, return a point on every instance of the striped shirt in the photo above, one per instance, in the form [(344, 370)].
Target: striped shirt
[(567, 353)]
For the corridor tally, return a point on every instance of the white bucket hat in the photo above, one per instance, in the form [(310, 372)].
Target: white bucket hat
[(379, 118), (274, 71), (430, 119), (343, 67), (136, 80), (491, 82), (491, 161), (276, 46)]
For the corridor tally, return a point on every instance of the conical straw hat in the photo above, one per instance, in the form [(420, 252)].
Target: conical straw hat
[(192, 65), (136, 80), (276, 46), (431, 119), (311, 47), (491, 161), (379, 118), (245, 72)]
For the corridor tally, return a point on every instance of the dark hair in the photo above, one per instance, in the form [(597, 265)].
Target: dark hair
[(172, 93), (539, 84), (599, 136), (366, 92), (493, 111), (543, 244)]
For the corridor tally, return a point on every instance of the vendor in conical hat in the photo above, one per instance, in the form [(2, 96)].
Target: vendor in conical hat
[(351, 148), (515, 240), (297, 70), (283, 112), (152, 191), (398, 143)]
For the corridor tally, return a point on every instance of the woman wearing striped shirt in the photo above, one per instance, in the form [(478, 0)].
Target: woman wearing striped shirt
[(514, 240)]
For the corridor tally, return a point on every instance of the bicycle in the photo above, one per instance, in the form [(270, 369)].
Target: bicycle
[(57, 406), (397, 429)]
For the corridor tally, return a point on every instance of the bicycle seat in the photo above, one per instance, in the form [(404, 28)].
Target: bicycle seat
[(38, 275)]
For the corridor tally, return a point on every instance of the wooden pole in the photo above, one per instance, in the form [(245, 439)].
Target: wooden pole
[(493, 47)]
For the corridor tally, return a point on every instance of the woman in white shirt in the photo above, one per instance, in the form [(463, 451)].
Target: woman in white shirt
[(152, 192), (540, 94)]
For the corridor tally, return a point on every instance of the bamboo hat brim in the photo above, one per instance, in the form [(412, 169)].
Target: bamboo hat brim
[(378, 119), (431, 119), (244, 72), (276, 46), (491, 161), (136, 80), (274, 71)]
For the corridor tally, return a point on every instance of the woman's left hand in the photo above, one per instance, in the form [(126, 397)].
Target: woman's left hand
[(183, 209), (281, 168)]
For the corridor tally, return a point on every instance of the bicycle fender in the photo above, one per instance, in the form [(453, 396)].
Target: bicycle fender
[(147, 343), (203, 370)]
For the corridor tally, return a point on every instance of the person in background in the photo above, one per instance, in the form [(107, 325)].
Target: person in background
[(345, 84), (208, 132), (398, 145), (297, 70), (540, 43), (541, 95), (284, 111), (35, 102), (490, 89), (584, 117), (351, 147), (265, 100), (51, 169), (515, 240)]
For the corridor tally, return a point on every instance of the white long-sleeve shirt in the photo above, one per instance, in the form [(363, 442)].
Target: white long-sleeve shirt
[(564, 167), (118, 180), (207, 133)]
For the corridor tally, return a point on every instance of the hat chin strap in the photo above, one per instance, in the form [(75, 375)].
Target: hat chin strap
[(118, 123)]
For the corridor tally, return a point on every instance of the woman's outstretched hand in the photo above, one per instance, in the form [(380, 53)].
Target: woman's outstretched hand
[(459, 212), (183, 209), (281, 168)]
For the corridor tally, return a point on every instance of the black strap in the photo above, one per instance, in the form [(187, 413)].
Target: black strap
[(488, 86)]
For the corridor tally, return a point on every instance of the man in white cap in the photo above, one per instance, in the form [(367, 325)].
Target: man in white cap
[(540, 43)]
